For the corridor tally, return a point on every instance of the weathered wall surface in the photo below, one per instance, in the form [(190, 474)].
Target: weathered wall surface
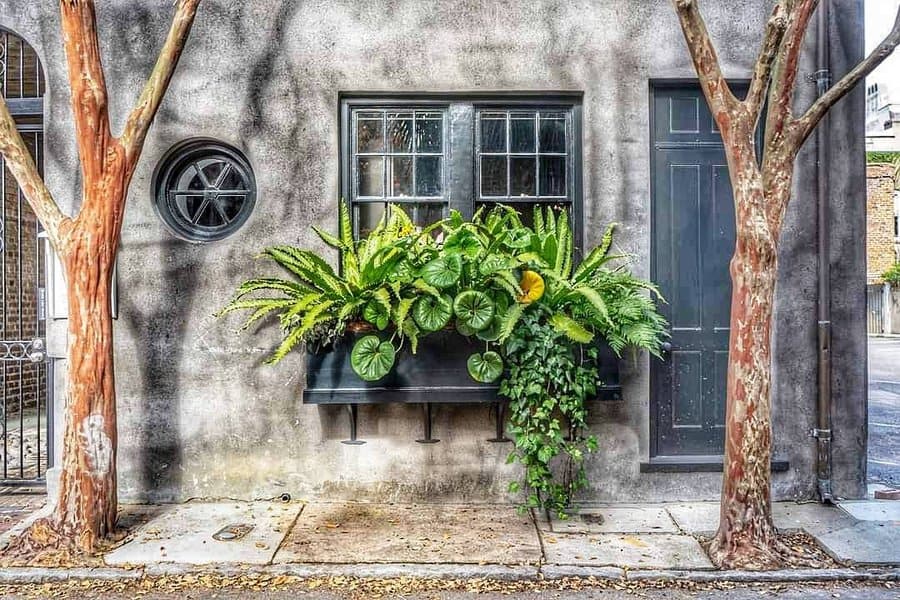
[(200, 416)]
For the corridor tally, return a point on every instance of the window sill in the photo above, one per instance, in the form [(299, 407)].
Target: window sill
[(696, 464)]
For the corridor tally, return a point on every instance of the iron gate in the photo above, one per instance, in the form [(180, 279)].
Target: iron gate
[(24, 405), (875, 308)]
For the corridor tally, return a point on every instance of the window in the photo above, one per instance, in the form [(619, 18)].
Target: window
[(434, 153), (204, 190), (398, 156)]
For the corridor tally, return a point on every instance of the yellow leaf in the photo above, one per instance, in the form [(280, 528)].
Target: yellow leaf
[(532, 285)]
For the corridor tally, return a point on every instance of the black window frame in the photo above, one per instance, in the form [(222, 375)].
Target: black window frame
[(460, 169)]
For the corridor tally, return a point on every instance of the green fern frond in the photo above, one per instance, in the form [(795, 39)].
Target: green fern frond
[(571, 329)]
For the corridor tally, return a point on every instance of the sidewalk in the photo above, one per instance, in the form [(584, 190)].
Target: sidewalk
[(641, 541)]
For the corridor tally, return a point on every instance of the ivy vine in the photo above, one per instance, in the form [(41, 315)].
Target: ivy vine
[(549, 377)]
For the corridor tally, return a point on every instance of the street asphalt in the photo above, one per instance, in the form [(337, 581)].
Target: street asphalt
[(884, 411)]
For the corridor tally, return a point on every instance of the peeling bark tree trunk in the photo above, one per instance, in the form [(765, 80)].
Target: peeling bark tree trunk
[(747, 537), (87, 245), (87, 502)]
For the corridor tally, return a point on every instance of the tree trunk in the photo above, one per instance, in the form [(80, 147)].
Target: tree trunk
[(86, 509), (746, 537)]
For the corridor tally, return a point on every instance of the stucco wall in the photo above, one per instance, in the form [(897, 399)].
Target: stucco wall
[(199, 415)]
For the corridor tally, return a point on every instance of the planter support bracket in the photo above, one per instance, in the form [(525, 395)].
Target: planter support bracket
[(426, 419), (353, 410)]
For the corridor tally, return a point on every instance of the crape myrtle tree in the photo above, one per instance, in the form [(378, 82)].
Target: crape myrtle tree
[(762, 189), (87, 244)]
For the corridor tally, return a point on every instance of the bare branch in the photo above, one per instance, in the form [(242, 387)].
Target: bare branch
[(89, 95), (805, 124), (148, 104), (784, 72), (21, 165), (775, 29), (703, 54)]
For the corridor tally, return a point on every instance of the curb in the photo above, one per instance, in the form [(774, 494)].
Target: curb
[(37, 575)]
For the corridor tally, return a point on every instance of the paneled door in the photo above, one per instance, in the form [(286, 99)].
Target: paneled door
[(693, 241)]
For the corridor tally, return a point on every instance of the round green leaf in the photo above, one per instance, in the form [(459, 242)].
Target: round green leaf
[(443, 271), (464, 329), (371, 358), (432, 313), (474, 309), (485, 368), (376, 314), (491, 333)]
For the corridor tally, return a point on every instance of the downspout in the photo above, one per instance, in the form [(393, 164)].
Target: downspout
[(822, 432)]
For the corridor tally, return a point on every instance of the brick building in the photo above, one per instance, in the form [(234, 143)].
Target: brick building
[(881, 220)]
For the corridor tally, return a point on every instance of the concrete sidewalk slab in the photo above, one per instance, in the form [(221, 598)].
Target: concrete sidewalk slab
[(695, 518), (183, 533), (873, 510), (345, 533), (636, 551), (865, 543), (617, 519), (702, 518), (812, 517)]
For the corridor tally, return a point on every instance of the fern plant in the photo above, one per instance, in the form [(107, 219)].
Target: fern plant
[(594, 298), (377, 285)]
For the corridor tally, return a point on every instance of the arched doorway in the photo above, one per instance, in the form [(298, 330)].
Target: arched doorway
[(23, 379)]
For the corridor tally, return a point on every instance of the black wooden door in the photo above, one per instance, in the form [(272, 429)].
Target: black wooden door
[(693, 240)]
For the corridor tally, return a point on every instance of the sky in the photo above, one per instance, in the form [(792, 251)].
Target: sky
[(880, 16)]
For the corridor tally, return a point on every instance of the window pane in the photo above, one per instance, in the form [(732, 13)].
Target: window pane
[(521, 133), (429, 132), (400, 132), (428, 176), (523, 175), (553, 134), (426, 213), (370, 174), (493, 176), (369, 133), (553, 176), (493, 133), (367, 216), (401, 175)]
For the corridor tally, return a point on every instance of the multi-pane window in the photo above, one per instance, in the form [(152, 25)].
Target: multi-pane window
[(523, 157), (398, 156), (434, 154)]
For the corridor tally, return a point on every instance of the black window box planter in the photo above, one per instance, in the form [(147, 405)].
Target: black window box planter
[(436, 374)]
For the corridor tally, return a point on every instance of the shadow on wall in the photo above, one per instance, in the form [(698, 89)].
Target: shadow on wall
[(159, 326)]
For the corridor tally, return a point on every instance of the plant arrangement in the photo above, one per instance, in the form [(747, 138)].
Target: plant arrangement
[(515, 288)]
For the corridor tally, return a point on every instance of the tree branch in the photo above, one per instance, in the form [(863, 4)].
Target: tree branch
[(148, 104), (703, 54), (805, 124), (89, 95), (775, 29), (21, 165), (784, 71)]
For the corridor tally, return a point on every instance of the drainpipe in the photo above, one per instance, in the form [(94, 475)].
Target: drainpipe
[(822, 432)]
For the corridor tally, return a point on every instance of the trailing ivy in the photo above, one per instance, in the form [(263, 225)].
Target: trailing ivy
[(549, 379)]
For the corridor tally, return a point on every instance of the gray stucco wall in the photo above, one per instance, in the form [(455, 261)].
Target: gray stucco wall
[(201, 417)]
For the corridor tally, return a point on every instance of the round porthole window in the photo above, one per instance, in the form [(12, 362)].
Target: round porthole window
[(204, 190)]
